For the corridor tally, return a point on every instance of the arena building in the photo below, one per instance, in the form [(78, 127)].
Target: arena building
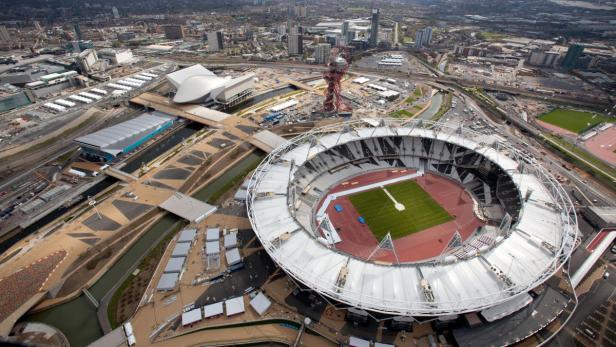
[(109, 143), (411, 218), (196, 84)]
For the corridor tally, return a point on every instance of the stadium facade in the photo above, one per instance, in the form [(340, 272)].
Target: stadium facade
[(534, 225)]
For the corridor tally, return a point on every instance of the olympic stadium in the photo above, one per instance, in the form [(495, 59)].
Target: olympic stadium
[(411, 218)]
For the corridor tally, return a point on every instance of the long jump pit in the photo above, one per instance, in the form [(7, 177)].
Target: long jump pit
[(359, 240)]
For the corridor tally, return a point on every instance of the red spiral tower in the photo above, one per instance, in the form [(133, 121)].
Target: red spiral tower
[(336, 68)]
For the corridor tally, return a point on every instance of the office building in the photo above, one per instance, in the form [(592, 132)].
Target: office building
[(174, 32), (543, 59), (300, 11), (78, 33), (573, 54), (374, 28), (114, 11), (214, 41), (321, 53), (4, 34), (296, 41), (296, 44), (423, 37)]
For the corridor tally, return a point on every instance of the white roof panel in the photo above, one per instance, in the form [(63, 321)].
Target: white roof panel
[(235, 305), (213, 310), (260, 303), (191, 316)]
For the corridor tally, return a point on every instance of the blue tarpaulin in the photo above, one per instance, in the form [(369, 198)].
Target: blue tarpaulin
[(338, 208), (361, 220)]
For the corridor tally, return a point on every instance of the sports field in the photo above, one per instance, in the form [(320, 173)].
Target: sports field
[(572, 120), (421, 211)]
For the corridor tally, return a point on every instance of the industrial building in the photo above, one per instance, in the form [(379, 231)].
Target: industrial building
[(116, 56), (603, 217), (107, 144), (196, 84)]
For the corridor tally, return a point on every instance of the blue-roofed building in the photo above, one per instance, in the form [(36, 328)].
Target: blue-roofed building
[(109, 143)]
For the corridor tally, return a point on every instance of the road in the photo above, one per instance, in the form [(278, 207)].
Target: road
[(599, 293)]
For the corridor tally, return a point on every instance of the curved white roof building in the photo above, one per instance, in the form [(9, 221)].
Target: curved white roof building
[(519, 256), (196, 84)]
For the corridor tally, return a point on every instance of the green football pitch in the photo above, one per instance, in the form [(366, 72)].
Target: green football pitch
[(421, 211), (572, 120)]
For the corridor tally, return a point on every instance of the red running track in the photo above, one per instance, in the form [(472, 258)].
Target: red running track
[(358, 240), (603, 145)]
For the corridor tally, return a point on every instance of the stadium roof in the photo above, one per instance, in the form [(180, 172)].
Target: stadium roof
[(534, 249), (178, 77), (114, 139)]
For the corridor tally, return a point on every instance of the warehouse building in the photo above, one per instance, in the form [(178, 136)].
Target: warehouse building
[(107, 144)]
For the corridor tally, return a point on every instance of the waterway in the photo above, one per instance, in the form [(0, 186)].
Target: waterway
[(161, 147), (132, 164), (437, 100), (77, 318), (262, 97)]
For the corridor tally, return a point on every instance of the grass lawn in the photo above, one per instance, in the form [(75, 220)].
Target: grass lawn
[(401, 114), (409, 100), (572, 120), (382, 217)]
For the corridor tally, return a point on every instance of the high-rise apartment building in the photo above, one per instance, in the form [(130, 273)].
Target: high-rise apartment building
[(321, 53), (215, 41), (423, 37), (4, 34), (573, 54), (296, 41), (374, 28), (174, 31)]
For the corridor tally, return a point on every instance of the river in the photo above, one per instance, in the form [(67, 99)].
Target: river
[(77, 318)]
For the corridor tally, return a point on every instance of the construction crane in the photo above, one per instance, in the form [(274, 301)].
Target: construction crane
[(339, 61)]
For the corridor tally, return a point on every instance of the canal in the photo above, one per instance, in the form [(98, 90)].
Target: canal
[(77, 319)]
